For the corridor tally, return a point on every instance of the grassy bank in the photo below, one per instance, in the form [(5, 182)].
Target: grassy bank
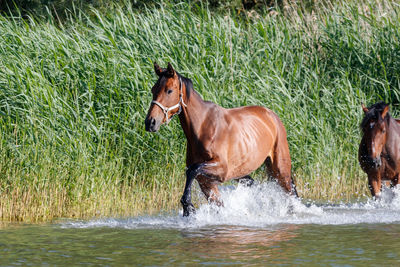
[(73, 98)]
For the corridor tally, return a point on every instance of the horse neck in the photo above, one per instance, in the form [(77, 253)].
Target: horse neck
[(393, 128), (193, 116)]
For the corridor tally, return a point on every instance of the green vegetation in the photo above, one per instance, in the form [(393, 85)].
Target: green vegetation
[(74, 95)]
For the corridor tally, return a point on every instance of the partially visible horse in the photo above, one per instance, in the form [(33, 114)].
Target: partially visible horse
[(379, 151), (222, 144)]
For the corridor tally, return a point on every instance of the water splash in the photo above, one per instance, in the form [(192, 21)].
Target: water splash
[(263, 205)]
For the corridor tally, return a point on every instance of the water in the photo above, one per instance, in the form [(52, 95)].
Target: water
[(258, 225)]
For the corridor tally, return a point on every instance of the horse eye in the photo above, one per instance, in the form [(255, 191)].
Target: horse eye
[(372, 125), (169, 91)]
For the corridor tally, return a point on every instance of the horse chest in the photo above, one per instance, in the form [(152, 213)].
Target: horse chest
[(197, 153), (390, 166)]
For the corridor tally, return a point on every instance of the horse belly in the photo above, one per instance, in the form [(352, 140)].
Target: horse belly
[(247, 164), (251, 149)]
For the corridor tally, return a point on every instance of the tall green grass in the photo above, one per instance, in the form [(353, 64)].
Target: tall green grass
[(73, 98)]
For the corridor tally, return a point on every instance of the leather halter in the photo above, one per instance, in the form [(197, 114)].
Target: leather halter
[(166, 110)]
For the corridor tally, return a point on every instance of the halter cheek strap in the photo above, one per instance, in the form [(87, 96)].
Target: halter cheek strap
[(179, 105)]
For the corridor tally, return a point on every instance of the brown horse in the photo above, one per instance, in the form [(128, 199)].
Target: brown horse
[(222, 144), (379, 151)]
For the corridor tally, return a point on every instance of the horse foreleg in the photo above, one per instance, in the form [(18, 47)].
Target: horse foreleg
[(374, 182), (186, 199), (210, 169)]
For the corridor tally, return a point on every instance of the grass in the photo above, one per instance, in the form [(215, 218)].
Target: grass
[(73, 98)]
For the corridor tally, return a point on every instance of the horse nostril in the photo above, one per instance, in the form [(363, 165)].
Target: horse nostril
[(148, 124), (151, 124)]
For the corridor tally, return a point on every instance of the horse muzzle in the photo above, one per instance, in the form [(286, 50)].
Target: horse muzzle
[(151, 124)]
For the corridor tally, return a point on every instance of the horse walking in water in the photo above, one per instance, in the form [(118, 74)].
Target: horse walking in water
[(379, 151), (222, 144)]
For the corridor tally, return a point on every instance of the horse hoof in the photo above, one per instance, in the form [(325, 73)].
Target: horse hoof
[(188, 210), (377, 197)]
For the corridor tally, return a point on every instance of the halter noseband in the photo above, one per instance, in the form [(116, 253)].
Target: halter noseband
[(166, 110)]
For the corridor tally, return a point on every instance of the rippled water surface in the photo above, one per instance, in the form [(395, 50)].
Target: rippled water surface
[(258, 225)]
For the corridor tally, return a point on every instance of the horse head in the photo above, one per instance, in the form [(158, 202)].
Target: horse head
[(167, 98), (374, 128)]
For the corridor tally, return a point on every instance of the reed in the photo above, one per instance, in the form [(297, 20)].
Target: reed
[(74, 94)]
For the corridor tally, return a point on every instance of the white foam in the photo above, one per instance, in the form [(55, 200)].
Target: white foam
[(263, 205)]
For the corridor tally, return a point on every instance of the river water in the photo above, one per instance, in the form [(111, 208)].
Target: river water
[(257, 226)]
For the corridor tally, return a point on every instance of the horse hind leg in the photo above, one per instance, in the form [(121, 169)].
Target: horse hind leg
[(268, 168), (279, 168)]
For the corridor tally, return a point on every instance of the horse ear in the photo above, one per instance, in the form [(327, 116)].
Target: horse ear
[(385, 111), (365, 109), (170, 70), (157, 69)]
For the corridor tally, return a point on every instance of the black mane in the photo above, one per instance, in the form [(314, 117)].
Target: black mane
[(188, 84), (374, 113)]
